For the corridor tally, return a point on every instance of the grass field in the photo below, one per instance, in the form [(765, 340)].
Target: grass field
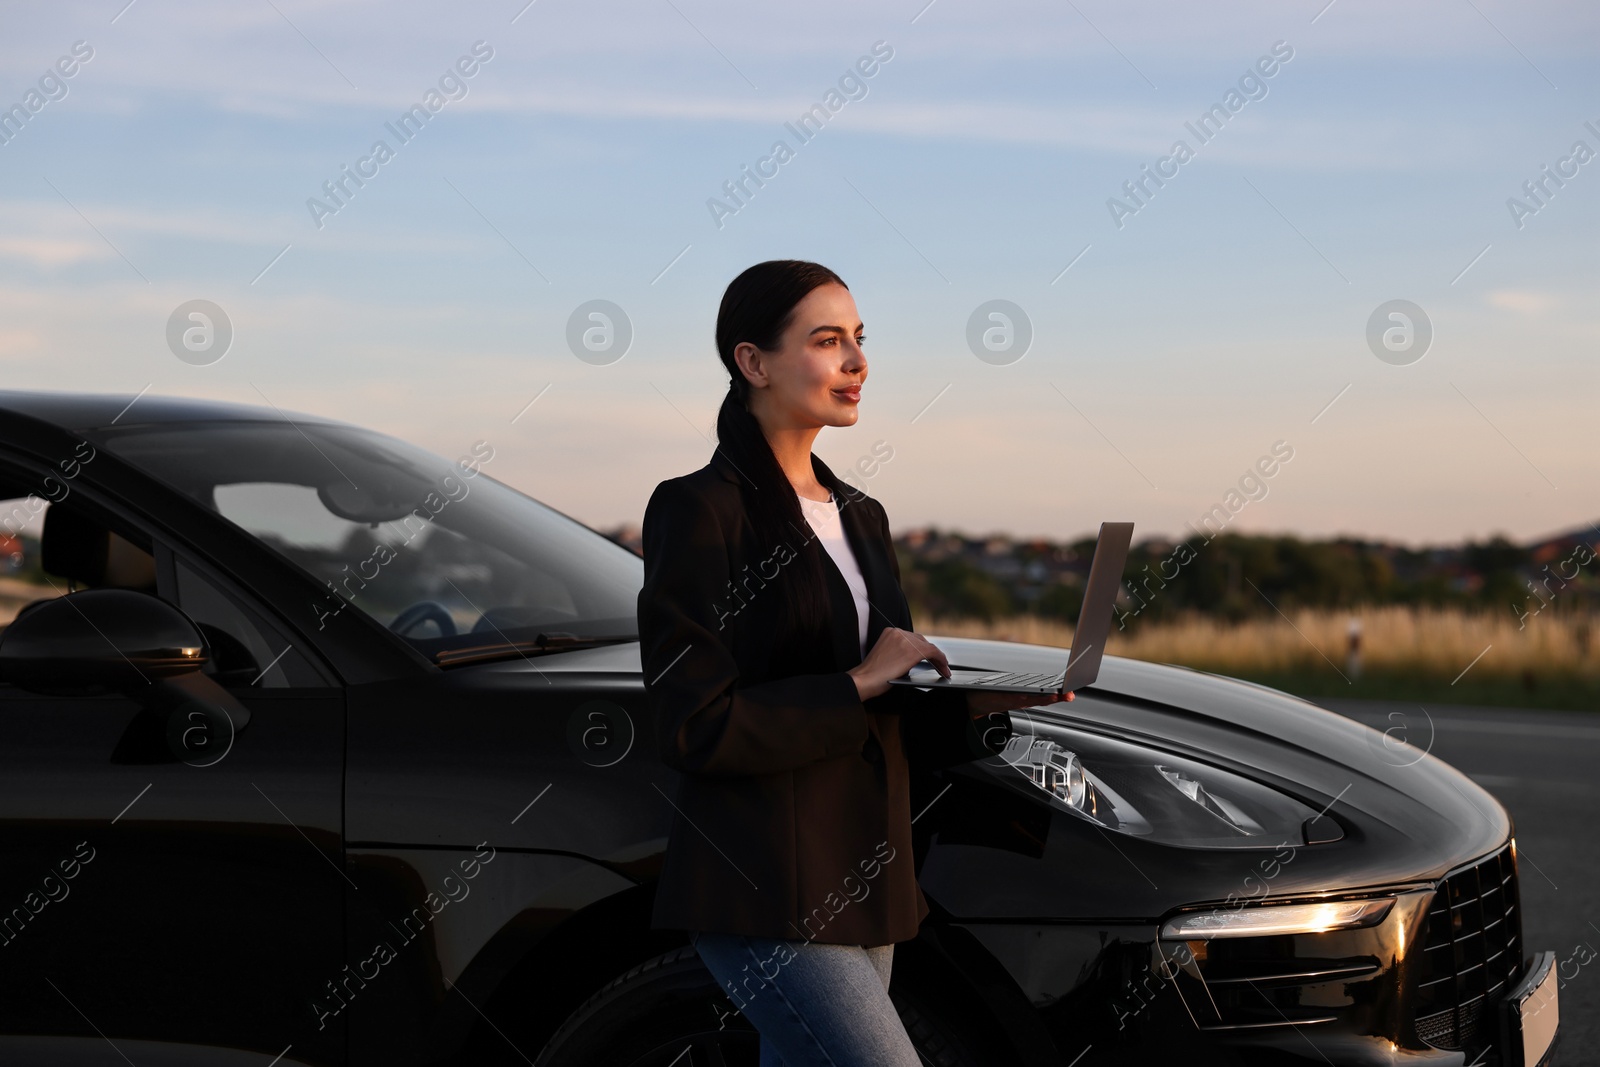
[(1446, 656)]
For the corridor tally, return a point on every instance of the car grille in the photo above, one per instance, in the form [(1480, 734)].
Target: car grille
[(1472, 953)]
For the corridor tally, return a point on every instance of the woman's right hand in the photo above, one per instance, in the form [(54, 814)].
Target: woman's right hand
[(894, 653)]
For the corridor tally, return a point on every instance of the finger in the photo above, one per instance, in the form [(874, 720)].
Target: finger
[(936, 656)]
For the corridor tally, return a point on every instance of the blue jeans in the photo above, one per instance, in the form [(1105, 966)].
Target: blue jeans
[(813, 1005)]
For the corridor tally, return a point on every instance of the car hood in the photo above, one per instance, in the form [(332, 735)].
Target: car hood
[(1409, 816)]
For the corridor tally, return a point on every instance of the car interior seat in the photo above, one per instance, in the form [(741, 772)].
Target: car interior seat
[(84, 551)]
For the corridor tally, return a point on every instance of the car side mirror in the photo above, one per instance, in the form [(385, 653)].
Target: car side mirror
[(119, 641), (99, 640)]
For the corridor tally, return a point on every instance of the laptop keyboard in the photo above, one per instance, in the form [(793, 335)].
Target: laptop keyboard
[(1017, 678)]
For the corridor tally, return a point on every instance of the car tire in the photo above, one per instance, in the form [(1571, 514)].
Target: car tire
[(646, 1017)]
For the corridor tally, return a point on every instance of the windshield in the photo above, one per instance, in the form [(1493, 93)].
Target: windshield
[(438, 551)]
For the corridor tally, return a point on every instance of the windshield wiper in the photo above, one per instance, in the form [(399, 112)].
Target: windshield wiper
[(542, 644)]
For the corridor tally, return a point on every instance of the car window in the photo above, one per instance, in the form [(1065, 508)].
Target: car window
[(22, 579), (246, 649), (385, 567), (440, 552)]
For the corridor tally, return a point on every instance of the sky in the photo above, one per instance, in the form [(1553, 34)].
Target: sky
[(1231, 312)]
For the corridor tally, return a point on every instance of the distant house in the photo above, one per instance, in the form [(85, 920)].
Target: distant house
[(628, 535)]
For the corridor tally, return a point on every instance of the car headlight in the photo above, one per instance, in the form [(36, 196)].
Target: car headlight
[(1134, 789), (1261, 921), (1051, 768)]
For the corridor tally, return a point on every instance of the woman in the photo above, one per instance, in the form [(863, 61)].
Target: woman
[(771, 620)]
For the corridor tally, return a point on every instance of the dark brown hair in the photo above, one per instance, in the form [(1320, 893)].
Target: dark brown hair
[(758, 306)]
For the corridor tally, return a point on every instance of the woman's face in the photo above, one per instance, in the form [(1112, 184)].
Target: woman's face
[(814, 376)]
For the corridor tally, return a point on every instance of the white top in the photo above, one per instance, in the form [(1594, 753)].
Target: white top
[(824, 519)]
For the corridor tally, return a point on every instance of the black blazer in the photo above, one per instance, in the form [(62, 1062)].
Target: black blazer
[(792, 810)]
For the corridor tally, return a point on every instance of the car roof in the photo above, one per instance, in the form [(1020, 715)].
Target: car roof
[(80, 412)]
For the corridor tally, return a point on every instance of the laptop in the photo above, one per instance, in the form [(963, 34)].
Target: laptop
[(1088, 637)]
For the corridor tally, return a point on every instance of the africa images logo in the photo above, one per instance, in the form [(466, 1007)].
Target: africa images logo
[(342, 189), (852, 85), (1252, 85), (52, 86)]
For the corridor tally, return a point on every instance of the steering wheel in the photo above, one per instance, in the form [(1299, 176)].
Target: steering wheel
[(424, 611)]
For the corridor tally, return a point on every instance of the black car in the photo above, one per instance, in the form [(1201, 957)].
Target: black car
[(316, 748)]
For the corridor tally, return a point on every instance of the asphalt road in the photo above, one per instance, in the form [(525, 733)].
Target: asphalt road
[(1544, 766)]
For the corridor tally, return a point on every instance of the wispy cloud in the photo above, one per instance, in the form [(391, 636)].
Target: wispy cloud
[(1525, 302), (50, 253)]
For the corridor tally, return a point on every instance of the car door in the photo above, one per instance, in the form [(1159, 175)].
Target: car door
[(182, 910)]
